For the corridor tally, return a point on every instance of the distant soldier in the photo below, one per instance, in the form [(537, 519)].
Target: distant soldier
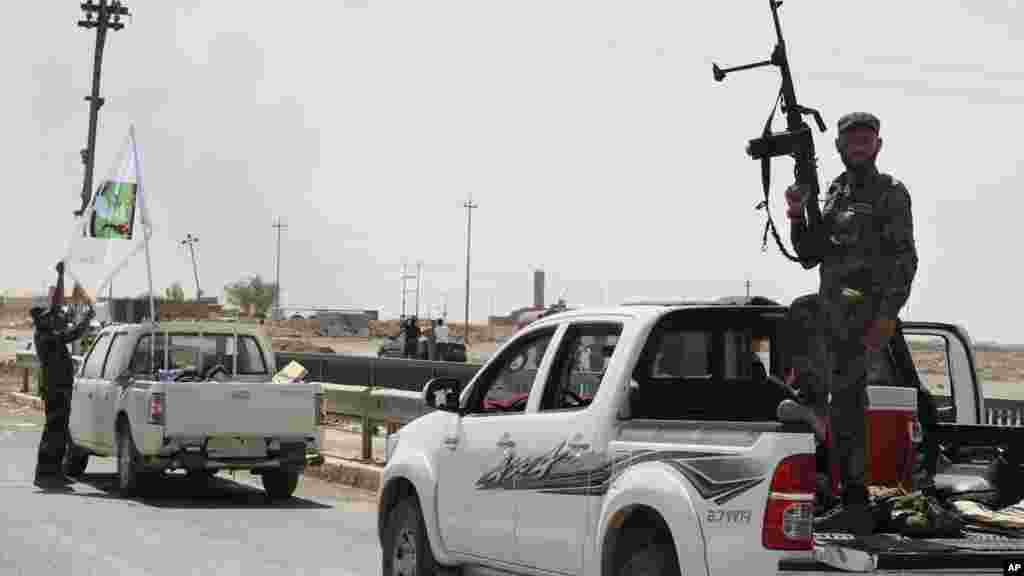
[(52, 336), (864, 244)]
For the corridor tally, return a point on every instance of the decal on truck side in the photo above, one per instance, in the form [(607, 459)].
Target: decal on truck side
[(715, 476)]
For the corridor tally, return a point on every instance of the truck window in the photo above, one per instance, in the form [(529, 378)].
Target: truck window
[(97, 356), (506, 384), (681, 354), (580, 365), (250, 357), (708, 366), (141, 361), (195, 352), (930, 360)]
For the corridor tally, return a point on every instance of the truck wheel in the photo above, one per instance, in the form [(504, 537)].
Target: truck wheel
[(280, 483), (406, 551), (130, 474), (649, 560), (75, 460)]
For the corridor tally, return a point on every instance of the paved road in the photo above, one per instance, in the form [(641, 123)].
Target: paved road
[(227, 528), (174, 529)]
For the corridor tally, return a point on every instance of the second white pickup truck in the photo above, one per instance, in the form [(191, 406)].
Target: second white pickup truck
[(197, 396), (626, 441)]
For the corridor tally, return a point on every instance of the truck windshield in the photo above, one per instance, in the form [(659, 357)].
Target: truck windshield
[(199, 353)]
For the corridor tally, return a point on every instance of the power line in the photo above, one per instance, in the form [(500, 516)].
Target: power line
[(102, 17)]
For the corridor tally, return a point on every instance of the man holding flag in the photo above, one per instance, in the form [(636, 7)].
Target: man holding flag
[(53, 333)]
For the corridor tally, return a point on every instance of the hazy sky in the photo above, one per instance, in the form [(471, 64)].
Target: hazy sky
[(591, 133)]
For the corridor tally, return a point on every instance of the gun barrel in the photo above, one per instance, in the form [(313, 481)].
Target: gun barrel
[(774, 4)]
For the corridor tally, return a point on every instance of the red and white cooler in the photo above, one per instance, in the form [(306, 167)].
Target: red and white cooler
[(891, 416)]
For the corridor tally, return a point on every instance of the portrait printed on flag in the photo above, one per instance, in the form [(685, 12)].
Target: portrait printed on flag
[(114, 214)]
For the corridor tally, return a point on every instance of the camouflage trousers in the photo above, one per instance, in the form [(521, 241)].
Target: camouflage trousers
[(836, 368)]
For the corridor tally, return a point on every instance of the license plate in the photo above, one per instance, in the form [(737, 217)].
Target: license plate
[(236, 447)]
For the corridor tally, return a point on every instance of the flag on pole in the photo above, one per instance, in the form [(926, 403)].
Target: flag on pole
[(115, 226)]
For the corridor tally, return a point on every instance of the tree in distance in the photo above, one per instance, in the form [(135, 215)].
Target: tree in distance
[(252, 295)]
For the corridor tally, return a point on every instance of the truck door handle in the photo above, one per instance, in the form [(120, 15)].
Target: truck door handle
[(451, 442), (506, 443)]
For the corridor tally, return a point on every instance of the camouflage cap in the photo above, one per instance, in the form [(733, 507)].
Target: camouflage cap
[(859, 119)]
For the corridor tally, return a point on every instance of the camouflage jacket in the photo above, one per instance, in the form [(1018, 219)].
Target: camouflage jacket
[(864, 241)]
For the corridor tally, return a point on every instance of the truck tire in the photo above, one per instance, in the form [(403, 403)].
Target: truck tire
[(647, 552), (130, 473), (406, 550), (280, 483), (649, 560), (75, 460)]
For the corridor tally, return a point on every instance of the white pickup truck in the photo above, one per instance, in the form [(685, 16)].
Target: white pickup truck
[(197, 396), (640, 439)]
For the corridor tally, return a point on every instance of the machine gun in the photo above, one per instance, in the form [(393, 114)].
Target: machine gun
[(797, 141)]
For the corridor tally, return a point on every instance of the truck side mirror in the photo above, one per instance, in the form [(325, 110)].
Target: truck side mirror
[(442, 393)]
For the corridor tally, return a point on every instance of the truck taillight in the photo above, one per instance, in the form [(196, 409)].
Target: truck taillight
[(156, 408), (789, 515), (319, 409)]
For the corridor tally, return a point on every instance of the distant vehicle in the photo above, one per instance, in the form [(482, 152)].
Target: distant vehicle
[(532, 315), (454, 350)]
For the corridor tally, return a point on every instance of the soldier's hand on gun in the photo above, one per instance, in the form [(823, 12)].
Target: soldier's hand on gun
[(878, 333), (795, 195)]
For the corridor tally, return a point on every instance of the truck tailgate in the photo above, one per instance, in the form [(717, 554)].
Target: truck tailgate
[(239, 409)]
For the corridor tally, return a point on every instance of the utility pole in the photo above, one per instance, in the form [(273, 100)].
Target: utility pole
[(102, 17), (419, 280), (191, 241), (277, 286), (469, 206), (405, 276)]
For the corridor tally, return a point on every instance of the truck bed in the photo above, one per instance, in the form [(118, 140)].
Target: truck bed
[(972, 554)]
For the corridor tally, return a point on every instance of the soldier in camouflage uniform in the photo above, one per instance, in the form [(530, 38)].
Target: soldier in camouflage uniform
[(864, 247)]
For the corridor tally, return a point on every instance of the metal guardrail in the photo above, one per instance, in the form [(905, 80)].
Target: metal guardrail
[(28, 363), (371, 406)]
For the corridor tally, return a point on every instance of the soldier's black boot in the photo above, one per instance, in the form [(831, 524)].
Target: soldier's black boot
[(851, 517)]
